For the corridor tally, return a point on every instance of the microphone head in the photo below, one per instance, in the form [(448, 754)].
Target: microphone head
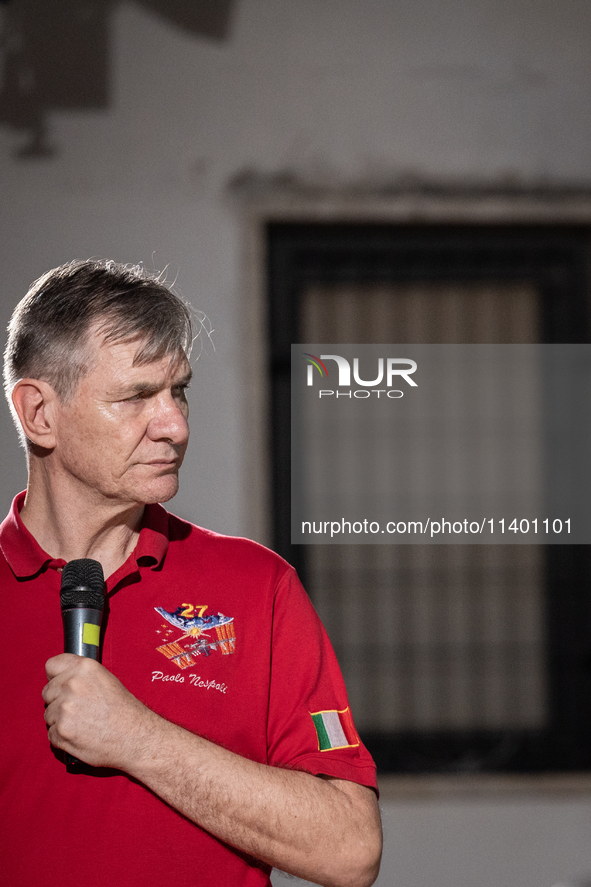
[(83, 583)]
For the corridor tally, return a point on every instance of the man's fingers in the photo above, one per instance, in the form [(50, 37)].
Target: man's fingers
[(88, 711), (57, 664), (61, 672), (53, 668), (49, 693)]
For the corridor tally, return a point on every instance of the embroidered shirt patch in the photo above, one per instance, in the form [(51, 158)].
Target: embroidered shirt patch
[(335, 729), (201, 635)]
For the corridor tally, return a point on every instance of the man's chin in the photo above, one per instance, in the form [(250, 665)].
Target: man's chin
[(161, 491)]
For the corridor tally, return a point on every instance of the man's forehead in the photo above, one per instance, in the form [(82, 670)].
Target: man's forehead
[(132, 348), (127, 358)]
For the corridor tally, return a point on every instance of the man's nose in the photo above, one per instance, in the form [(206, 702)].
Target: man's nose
[(169, 420)]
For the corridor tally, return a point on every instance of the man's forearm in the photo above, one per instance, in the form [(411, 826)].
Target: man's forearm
[(324, 830)]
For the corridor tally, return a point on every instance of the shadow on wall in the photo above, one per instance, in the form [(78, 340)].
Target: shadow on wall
[(54, 55)]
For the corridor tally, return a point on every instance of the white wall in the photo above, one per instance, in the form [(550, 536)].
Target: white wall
[(337, 92), (507, 842)]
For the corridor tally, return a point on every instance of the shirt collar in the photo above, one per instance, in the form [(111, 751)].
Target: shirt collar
[(27, 559)]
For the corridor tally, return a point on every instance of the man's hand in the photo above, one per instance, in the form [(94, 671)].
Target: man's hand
[(91, 715)]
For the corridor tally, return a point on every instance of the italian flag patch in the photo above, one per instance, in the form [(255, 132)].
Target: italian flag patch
[(335, 729)]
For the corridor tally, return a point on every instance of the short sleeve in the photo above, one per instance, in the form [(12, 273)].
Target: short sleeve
[(310, 726)]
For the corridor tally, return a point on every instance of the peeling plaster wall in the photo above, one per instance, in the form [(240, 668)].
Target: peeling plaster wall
[(333, 92)]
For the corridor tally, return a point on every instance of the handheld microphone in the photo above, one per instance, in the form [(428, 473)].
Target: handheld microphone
[(82, 601)]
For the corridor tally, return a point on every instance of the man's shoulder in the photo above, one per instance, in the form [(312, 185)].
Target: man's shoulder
[(187, 539)]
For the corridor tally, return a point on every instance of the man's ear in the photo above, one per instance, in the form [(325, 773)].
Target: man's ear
[(34, 402)]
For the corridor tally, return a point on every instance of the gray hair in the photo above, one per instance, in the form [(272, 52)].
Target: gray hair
[(48, 331)]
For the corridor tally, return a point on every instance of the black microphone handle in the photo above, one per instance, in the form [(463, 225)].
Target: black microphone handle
[(82, 601), (82, 629)]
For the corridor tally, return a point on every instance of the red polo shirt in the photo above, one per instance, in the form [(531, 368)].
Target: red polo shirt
[(212, 632)]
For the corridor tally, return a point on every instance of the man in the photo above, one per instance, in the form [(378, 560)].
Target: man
[(215, 736)]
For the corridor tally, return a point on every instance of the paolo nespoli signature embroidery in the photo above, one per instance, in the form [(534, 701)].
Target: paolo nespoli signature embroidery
[(197, 638)]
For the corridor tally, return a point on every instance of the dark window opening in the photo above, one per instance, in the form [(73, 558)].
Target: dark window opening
[(483, 657)]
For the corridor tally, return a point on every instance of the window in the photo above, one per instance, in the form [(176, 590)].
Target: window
[(461, 658)]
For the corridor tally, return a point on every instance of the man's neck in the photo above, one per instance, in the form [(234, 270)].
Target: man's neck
[(68, 526)]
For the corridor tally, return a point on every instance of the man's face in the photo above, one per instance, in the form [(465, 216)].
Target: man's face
[(123, 435)]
